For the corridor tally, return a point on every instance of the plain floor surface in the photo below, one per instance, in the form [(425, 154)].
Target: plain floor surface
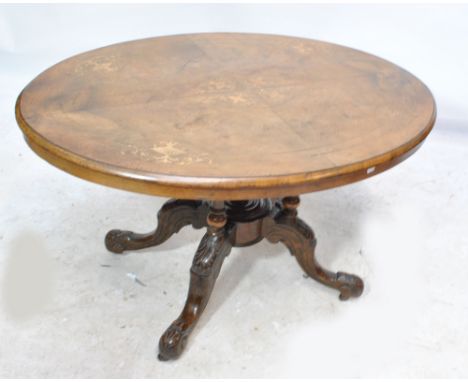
[(68, 308)]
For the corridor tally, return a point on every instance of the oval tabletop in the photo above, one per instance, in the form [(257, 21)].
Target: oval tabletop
[(225, 115)]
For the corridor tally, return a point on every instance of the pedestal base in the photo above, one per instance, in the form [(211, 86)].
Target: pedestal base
[(229, 224)]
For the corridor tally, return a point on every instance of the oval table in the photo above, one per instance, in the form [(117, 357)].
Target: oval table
[(234, 127)]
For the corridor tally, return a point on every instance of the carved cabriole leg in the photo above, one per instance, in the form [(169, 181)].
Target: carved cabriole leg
[(300, 240), (172, 216), (214, 247)]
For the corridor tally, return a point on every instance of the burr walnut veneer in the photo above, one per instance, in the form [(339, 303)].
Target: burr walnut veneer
[(233, 127)]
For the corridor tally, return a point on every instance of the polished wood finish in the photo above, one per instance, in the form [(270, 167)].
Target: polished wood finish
[(229, 224), (214, 247), (287, 228), (225, 116), (235, 126), (174, 215)]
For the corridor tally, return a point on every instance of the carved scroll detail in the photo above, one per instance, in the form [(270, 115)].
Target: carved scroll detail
[(174, 215), (299, 238), (213, 248), (229, 224)]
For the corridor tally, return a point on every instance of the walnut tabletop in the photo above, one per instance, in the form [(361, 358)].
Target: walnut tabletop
[(234, 127), (225, 116)]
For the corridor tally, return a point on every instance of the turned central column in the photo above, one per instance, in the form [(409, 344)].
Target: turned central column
[(247, 216)]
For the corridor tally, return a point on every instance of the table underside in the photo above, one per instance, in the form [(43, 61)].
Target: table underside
[(229, 224)]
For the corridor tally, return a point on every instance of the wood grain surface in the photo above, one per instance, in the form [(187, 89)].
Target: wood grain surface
[(225, 115)]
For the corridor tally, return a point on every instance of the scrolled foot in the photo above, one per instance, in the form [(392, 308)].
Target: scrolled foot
[(349, 285), (172, 342), (117, 241)]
